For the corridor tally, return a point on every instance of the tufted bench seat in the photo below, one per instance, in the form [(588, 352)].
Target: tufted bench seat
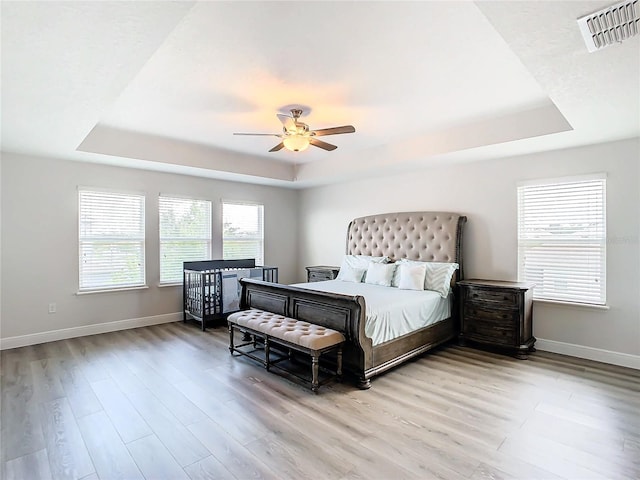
[(311, 339)]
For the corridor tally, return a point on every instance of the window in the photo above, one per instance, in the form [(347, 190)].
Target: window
[(185, 235), (111, 240), (562, 239), (243, 231)]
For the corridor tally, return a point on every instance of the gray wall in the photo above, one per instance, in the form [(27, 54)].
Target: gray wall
[(39, 260), (486, 193), (40, 240)]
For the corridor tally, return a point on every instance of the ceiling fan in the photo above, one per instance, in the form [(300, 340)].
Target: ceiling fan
[(297, 136)]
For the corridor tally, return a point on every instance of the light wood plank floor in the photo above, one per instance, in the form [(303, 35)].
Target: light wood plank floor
[(170, 402)]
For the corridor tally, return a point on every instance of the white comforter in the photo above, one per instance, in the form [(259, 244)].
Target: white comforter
[(391, 312)]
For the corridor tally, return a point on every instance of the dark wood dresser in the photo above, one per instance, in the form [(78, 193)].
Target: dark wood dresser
[(320, 273), (498, 314)]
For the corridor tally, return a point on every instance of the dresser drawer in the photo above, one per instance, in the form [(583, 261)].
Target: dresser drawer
[(487, 297), (320, 273), (320, 276), (488, 332), (490, 313)]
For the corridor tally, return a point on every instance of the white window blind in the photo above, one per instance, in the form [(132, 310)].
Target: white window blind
[(185, 235), (111, 242), (562, 239), (243, 231)]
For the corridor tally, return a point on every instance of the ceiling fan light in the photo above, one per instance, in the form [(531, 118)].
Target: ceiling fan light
[(296, 143)]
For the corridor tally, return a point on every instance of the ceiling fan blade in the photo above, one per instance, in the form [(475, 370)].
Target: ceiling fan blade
[(260, 134), (288, 122), (321, 144), (334, 130), (277, 147)]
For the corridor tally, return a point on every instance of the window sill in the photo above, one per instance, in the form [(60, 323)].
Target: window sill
[(573, 304), (111, 290), (168, 284)]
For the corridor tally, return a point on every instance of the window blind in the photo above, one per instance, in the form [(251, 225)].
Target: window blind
[(111, 240), (185, 235), (243, 231), (562, 239)]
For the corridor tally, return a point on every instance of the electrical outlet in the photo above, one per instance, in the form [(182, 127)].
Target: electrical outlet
[(52, 308)]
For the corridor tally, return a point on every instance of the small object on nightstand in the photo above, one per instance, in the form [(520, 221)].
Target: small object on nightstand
[(498, 314), (321, 273)]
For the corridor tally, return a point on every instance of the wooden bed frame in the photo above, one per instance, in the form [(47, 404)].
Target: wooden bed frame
[(423, 236)]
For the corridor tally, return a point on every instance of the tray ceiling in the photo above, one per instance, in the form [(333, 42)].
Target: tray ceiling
[(163, 85)]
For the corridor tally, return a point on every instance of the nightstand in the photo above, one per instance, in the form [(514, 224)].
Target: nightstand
[(321, 272), (498, 314)]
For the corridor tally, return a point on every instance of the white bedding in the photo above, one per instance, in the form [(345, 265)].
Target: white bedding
[(391, 312)]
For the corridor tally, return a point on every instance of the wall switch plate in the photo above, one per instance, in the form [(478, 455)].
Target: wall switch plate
[(52, 308)]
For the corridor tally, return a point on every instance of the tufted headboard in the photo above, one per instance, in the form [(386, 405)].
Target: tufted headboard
[(424, 236)]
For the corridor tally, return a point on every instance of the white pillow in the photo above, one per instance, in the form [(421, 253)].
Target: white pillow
[(369, 258), (380, 273), (350, 274), (396, 275), (360, 262), (411, 276), (438, 277)]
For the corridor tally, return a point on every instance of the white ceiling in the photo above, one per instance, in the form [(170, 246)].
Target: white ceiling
[(163, 85)]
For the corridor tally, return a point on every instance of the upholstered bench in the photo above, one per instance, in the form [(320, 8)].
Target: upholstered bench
[(294, 334)]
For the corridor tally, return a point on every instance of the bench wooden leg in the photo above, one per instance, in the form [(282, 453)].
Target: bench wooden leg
[(231, 345), (339, 361), (267, 349), (314, 371)]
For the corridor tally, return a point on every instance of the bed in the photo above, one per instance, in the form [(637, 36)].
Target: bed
[(390, 312), (417, 236)]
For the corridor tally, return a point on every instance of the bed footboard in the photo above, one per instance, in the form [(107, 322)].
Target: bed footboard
[(343, 313)]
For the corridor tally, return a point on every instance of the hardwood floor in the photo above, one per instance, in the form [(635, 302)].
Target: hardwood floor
[(169, 402)]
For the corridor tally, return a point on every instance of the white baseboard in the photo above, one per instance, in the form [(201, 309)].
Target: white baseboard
[(580, 351), (53, 335), (590, 353)]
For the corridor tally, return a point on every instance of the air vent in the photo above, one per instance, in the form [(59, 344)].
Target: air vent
[(610, 25)]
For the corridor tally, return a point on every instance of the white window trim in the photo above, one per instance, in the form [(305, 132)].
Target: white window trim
[(564, 180), (558, 180), (110, 290), (248, 203), (116, 191), (172, 283), (596, 306)]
